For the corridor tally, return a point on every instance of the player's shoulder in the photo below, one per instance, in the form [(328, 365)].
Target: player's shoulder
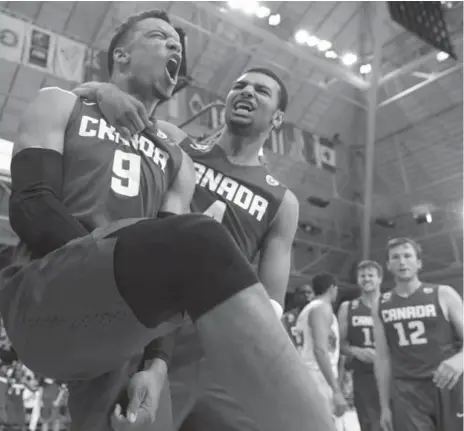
[(385, 297), (52, 100), (446, 292), (170, 133)]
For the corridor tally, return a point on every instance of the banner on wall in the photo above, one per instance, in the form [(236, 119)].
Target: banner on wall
[(40, 49), (69, 59), (12, 36)]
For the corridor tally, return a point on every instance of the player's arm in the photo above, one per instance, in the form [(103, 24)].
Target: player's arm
[(276, 251), (121, 110), (382, 359), (319, 321), (179, 196), (37, 213), (344, 346), (450, 370)]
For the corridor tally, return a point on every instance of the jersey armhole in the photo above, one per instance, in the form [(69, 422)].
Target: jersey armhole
[(71, 123)]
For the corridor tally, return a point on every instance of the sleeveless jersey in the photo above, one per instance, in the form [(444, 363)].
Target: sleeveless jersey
[(418, 335), (360, 331), (107, 178), (307, 348), (244, 198)]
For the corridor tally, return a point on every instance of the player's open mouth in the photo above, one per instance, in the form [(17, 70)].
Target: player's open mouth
[(243, 107), (172, 67)]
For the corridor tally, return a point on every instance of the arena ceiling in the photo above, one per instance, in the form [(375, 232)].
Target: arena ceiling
[(418, 133)]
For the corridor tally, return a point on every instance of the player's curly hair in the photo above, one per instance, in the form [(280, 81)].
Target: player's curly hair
[(126, 28)]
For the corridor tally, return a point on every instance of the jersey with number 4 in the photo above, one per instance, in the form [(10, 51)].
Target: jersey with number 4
[(106, 177), (360, 331), (418, 335), (244, 198)]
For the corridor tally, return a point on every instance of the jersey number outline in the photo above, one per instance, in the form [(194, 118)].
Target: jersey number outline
[(368, 341), (126, 173), (216, 210), (413, 336)]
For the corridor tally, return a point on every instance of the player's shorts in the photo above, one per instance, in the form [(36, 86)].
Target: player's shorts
[(418, 405), (65, 316), (366, 401)]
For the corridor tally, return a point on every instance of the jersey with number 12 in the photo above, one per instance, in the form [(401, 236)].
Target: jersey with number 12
[(245, 199), (418, 335), (107, 178)]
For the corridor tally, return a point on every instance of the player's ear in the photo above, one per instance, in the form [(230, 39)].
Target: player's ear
[(277, 119), (120, 55), (419, 264)]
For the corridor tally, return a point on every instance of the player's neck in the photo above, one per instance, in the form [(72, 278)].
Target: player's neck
[(241, 150), (368, 298), (407, 287), (149, 100)]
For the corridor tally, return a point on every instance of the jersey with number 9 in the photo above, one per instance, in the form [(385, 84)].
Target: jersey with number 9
[(418, 335), (245, 199), (107, 178)]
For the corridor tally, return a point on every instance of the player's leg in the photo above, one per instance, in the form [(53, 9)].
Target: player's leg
[(247, 345), (366, 401), (449, 408), (413, 405)]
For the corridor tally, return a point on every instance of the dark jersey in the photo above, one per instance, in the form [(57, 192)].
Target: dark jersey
[(107, 178), (244, 198), (418, 335), (360, 331)]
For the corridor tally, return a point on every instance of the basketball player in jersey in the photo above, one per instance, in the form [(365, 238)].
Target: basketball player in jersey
[(261, 214), (418, 367), (302, 296), (93, 280), (320, 350), (357, 343)]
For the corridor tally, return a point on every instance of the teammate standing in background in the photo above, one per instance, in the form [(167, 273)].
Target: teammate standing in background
[(418, 368), (302, 296), (260, 213), (320, 350), (357, 343)]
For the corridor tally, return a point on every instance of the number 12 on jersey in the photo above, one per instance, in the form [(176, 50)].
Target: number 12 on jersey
[(216, 210), (410, 333)]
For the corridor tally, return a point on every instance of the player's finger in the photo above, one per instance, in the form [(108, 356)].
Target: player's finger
[(453, 381), (133, 118), (125, 133), (143, 114)]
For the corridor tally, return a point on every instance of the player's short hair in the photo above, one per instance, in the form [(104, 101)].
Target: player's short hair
[(322, 283), (395, 242), (371, 264), (126, 28), (283, 95)]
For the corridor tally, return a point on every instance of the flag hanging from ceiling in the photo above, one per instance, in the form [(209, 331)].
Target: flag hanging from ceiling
[(40, 49), (69, 59), (325, 155), (12, 35), (424, 19)]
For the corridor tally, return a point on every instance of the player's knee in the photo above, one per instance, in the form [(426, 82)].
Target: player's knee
[(213, 260)]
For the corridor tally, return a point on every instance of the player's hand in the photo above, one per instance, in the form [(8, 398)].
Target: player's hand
[(386, 420), (121, 110), (449, 372), (144, 390), (365, 354), (340, 404)]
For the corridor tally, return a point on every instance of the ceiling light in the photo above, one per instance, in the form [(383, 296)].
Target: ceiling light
[(349, 59), (331, 54), (263, 12), (442, 56), (236, 4), (301, 36), (274, 19), (324, 45), (312, 41), (250, 7), (365, 69)]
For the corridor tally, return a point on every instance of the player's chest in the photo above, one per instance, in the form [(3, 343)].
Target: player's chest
[(231, 191)]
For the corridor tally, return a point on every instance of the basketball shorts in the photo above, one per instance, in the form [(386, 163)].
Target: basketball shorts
[(65, 316), (418, 405), (366, 401)]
